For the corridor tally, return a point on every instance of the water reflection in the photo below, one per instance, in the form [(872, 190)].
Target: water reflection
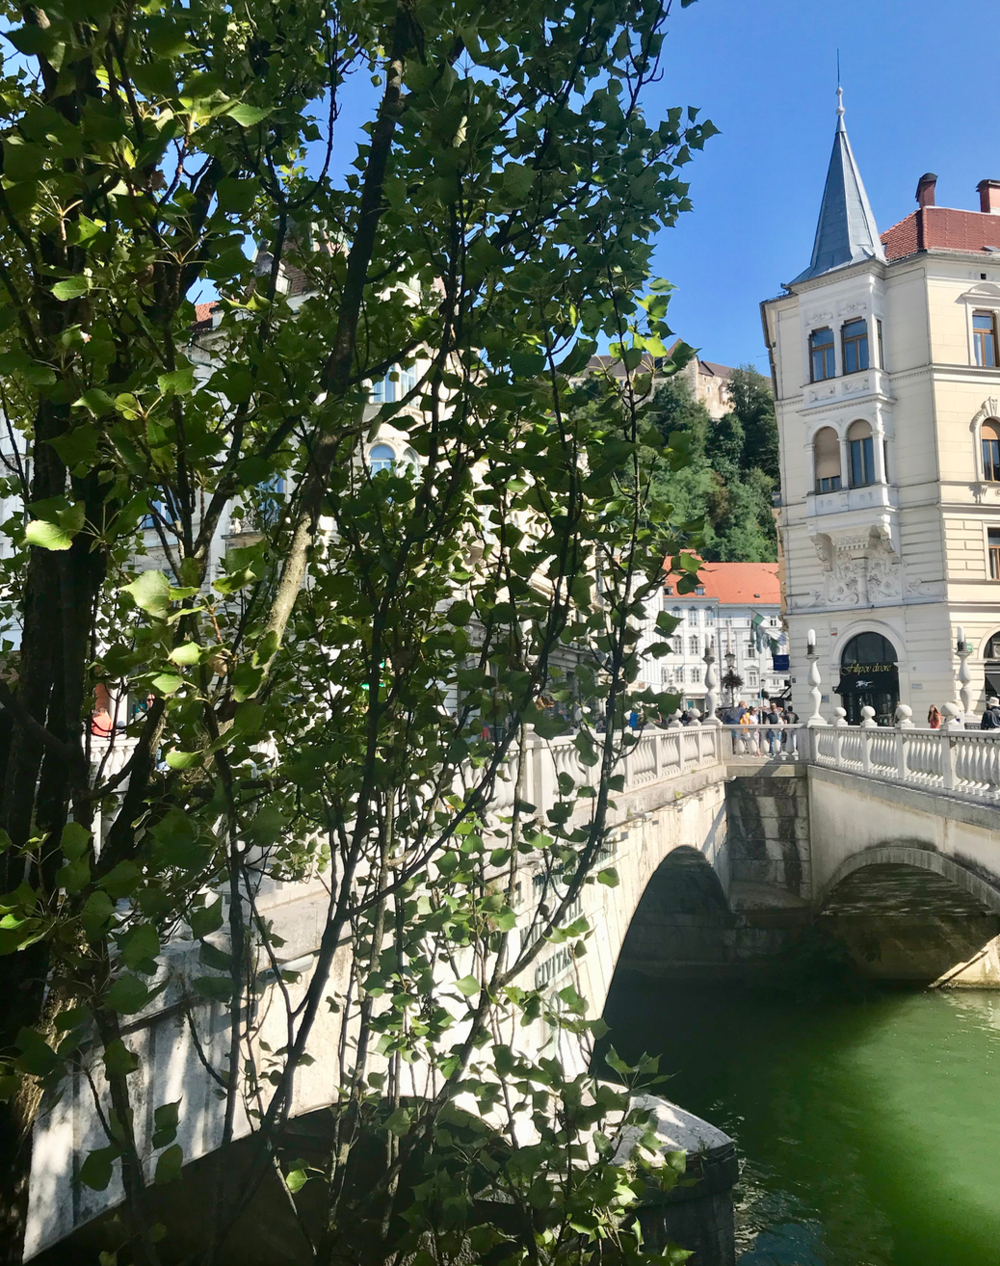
[(869, 1127)]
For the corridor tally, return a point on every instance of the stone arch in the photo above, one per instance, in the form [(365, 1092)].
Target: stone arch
[(888, 631), (921, 857), (906, 912), (988, 411), (682, 922)]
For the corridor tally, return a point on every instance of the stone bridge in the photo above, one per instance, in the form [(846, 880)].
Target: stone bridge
[(885, 839)]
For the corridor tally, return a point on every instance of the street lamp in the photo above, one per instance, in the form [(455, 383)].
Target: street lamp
[(731, 674)]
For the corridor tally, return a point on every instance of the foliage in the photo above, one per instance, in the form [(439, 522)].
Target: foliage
[(336, 693), (725, 471)]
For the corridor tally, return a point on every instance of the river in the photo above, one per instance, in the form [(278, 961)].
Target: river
[(868, 1126)]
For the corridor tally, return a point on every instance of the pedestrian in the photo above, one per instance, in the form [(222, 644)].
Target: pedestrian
[(934, 717), (748, 723), (772, 735), (991, 717)]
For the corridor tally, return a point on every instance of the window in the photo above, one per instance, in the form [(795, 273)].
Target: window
[(676, 613), (381, 458), (710, 617), (991, 451), (993, 541), (862, 454), (699, 589), (881, 346), (693, 646), (984, 339), (751, 676), (384, 391), (826, 448), (855, 346), (694, 675), (821, 349), (669, 591), (692, 615)]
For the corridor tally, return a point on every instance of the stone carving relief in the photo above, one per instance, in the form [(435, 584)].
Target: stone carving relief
[(818, 318), (854, 385), (849, 309), (859, 570)]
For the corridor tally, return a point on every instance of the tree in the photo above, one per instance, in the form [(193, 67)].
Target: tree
[(752, 399), (712, 482), (496, 220)]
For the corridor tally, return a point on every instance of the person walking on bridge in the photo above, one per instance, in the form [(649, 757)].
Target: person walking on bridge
[(934, 717)]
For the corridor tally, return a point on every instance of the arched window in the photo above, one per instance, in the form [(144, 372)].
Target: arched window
[(826, 446), (381, 458), (854, 340), (862, 454), (821, 354), (692, 615), (991, 451)]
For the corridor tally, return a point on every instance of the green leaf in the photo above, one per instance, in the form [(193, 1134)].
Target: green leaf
[(96, 1170), (467, 986), (215, 988), (121, 881), (128, 995), (609, 877), (166, 683), (37, 1057), (48, 535), (399, 1122), (71, 288), (165, 1119), (74, 876), (295, 1180), (186, 654), (140, 945), (206, 919), (247, 115), (169, 1164), (179, 381), (183, 760), (78, 445), (96, 914), (119, 1061), (74, 841), (151, 591)]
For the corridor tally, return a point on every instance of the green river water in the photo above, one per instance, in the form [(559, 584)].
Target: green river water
[(869, 1129)]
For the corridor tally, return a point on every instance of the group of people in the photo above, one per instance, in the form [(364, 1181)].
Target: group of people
[(775, 738), (990, 718)]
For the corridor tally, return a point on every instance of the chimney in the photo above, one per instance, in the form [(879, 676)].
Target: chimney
[(989, 196), (925, 189)]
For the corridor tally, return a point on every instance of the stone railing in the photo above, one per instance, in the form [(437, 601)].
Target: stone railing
[(656, 755), (954, 760)]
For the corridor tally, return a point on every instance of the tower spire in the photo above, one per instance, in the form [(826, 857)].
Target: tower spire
[(846, 232)]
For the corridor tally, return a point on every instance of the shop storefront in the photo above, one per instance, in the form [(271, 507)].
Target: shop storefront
[(869, 677)]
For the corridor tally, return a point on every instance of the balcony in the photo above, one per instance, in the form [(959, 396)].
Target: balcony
[(877, 497), (832, 392)]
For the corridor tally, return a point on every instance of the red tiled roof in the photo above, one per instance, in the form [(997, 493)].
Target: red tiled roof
[(739, 584), (203, 311), (942, 229)]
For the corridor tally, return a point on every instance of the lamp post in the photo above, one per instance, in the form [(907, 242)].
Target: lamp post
[(730, 672), (814, 680), (964, 676)]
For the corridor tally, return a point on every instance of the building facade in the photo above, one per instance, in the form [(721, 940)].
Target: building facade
[(887, 384), (736, 609)]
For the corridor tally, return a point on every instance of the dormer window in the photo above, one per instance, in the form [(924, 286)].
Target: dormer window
[(855, 344), (821, 349), (984, 339)]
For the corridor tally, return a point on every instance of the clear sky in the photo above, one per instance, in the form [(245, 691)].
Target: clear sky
[(919, 97)]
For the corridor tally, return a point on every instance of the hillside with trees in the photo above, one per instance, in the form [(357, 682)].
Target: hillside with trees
[(723, 473)]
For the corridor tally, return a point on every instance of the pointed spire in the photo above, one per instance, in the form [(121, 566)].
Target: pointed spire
[(846, 232)]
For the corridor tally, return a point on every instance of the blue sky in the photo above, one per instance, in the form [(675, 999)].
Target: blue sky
[(918, 97)]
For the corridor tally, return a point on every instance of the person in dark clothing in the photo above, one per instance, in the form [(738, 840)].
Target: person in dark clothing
[(991, 717)]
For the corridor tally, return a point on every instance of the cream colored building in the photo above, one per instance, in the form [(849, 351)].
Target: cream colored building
[(887, 382)]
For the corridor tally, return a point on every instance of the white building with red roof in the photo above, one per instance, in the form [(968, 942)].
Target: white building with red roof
[(886, 368), (735, 610)]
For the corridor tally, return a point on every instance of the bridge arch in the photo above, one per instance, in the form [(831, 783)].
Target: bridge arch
[(907, 912)]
